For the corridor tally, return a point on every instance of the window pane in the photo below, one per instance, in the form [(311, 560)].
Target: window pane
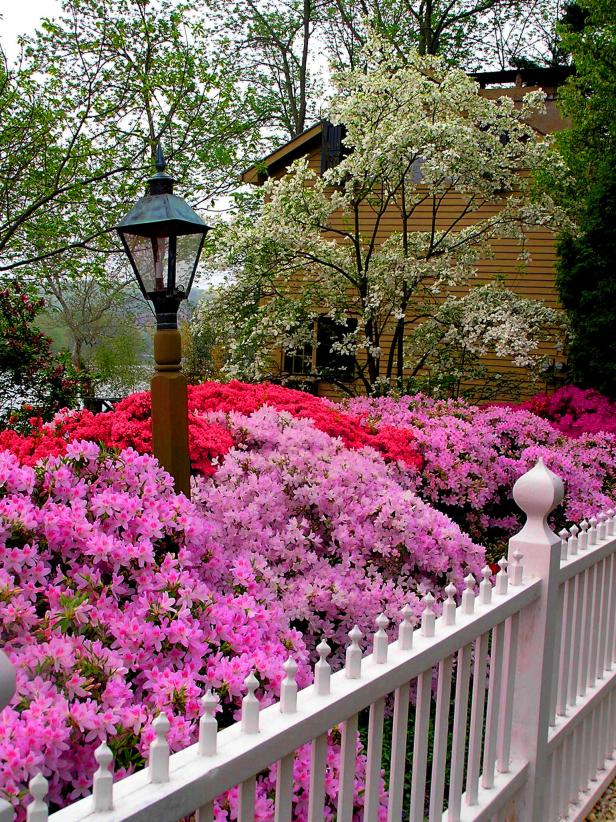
[(150, 255), (187, 250)]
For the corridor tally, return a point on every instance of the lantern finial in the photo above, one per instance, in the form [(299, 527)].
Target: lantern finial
[(160, 162)]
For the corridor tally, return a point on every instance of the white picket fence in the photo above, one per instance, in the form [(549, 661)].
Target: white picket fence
[(533, 657)]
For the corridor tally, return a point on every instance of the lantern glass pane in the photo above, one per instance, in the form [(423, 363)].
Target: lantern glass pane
[(188, 246), (150, 256)]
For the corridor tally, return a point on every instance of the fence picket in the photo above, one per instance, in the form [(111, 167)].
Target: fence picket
[(250, 706), (565, 652), (322, 670), (441, 727), (420, 745), (603, 611), (586, 628), (37, 809), (284, 789), (159, 750), (205, 813), (458, 745), (208, 726), (246, 806), (373, 763), (316, 796), (346, 784), (398, 753), (494, 704), (102, 786), (503, 755), (476, 724)]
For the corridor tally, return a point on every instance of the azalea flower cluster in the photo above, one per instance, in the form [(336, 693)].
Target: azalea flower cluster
[(472, 457), (575, 411), (128, 425), (121, 599)]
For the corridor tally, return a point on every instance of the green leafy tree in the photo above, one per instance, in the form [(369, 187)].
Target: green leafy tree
[(33, 380), (473, 33), (96, 90), (105, 326), (586, 268), (587, 288), (272, 45)]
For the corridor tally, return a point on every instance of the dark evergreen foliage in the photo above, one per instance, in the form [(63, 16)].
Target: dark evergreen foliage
[(586, 279)]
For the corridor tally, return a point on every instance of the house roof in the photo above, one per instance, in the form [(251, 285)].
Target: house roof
[(284, 155), (522, 79)]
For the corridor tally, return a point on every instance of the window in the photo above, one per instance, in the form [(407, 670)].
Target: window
[(299, 361), (327, 364)]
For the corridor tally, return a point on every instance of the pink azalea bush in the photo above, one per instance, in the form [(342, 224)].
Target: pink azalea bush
[(113, 609), (336, 533), (120, 599), (473, 456)]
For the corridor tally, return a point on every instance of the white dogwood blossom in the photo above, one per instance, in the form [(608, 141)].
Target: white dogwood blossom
[(433, 172)]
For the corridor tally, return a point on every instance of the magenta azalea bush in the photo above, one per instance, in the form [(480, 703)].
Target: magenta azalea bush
[(473, 456), (575, 411), (120, 599)]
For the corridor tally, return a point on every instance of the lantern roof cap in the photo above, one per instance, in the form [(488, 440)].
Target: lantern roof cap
[(154, 212)]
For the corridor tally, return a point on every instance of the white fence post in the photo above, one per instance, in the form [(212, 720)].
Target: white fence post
[(537, 493), (7, 689)]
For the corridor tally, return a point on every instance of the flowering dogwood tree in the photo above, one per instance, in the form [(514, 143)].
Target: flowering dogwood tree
[(449, 169)]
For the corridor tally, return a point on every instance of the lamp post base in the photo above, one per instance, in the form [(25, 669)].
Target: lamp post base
[(170, 409)]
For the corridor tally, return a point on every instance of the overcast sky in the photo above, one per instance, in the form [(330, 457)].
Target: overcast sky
[(22, 17)]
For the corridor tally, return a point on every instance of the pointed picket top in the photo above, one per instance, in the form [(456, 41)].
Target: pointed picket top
[(288, 688), (250, 706), (208, 726), (405, 629), (592, 531), (583, 537), (449, 606), (610, 522), (537, 493), (564, 537), (485, 586), (468, 595), (602, 529), (502, 578), (37, 809), (322, 670), (102, 784), (354, 655), (381, 640), (428, 618), (573, 540), (159, 750), (517, 569)]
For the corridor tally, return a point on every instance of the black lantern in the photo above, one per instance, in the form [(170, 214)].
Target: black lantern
[(163, 238)]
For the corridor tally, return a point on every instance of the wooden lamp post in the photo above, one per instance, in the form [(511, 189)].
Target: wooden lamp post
[(163, 238)]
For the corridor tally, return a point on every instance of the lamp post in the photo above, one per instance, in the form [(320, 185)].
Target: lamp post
[(163, 238)]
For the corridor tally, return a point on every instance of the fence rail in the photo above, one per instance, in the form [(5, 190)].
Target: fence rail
[(528, 736)]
